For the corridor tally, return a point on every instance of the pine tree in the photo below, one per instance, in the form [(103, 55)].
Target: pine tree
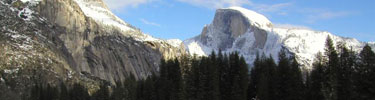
[(265, 76), (332, 69), (213, 78), (317, 80), (283, 76), (243, 79), (51, 93), (78, 92), (225, 83), (176, 79), (192, 80), (365, 83), (63, 92), (164, 82), (295, 82), (254, 79), (345, 74), (130, 88)]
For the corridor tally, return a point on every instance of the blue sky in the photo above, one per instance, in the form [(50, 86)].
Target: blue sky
[(183, 19)]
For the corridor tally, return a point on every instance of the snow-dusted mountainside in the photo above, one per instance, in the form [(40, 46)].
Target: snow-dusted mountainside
[(79, 38), (249, 33)]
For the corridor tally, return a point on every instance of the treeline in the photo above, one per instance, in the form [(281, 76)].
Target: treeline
[(341, 74), (337, 74)]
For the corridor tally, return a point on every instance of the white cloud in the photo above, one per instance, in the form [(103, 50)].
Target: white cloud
[(144, 21), (214, 4), (291, 26), (120, 4), (330, 15), (271, 8), (317, 15)]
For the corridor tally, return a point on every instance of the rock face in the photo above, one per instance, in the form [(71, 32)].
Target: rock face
[(102, 44), (81, 44), (250, 33), (227, 26)]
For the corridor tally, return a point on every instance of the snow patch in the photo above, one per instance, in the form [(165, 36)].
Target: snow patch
[(32, 2), (195, 49), (70, 74), (11, 71), (174, 42), (2, 80), (149, 38), (101, 14), (255, 18)]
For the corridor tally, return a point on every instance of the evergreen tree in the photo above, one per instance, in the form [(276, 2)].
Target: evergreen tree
[(192, 80), (78, 92), (225, 83), (213, 77), (243, 79), (51, 93), (254, 79), (203, 79), (295, 82), (163, 82), (345, 86), (332, 69), (264, 76), (63, 92), (365, 83), (317, 79), (36, 92), (284, 75), (130, 88)]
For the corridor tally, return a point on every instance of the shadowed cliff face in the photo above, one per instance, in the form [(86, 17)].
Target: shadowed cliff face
[(116, 57)]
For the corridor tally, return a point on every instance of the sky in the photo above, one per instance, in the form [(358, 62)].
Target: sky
[(183, 19)]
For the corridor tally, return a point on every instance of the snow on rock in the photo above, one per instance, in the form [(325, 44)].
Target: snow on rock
[(11, 71), (262, 37), (101, 14), (2, 80), (174, 42), (32, 2), (195, 49), (26, 14), (255, 18)]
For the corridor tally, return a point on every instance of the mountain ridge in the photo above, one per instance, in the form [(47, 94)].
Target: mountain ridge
[(252, 38)]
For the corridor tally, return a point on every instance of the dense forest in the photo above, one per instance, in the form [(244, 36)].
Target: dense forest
[(338, 73)]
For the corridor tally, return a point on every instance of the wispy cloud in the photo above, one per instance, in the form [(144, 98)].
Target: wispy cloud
[(318, 15), (120, 4), (272, 8), (291, 26), (214, 4), (259, 7), (144, 21)]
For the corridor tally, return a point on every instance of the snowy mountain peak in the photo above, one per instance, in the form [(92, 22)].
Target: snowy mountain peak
[(254, 18), (250, 33)]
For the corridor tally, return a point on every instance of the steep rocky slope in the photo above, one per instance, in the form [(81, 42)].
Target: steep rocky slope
[(245, 31), (125, 49), (61, 41)]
